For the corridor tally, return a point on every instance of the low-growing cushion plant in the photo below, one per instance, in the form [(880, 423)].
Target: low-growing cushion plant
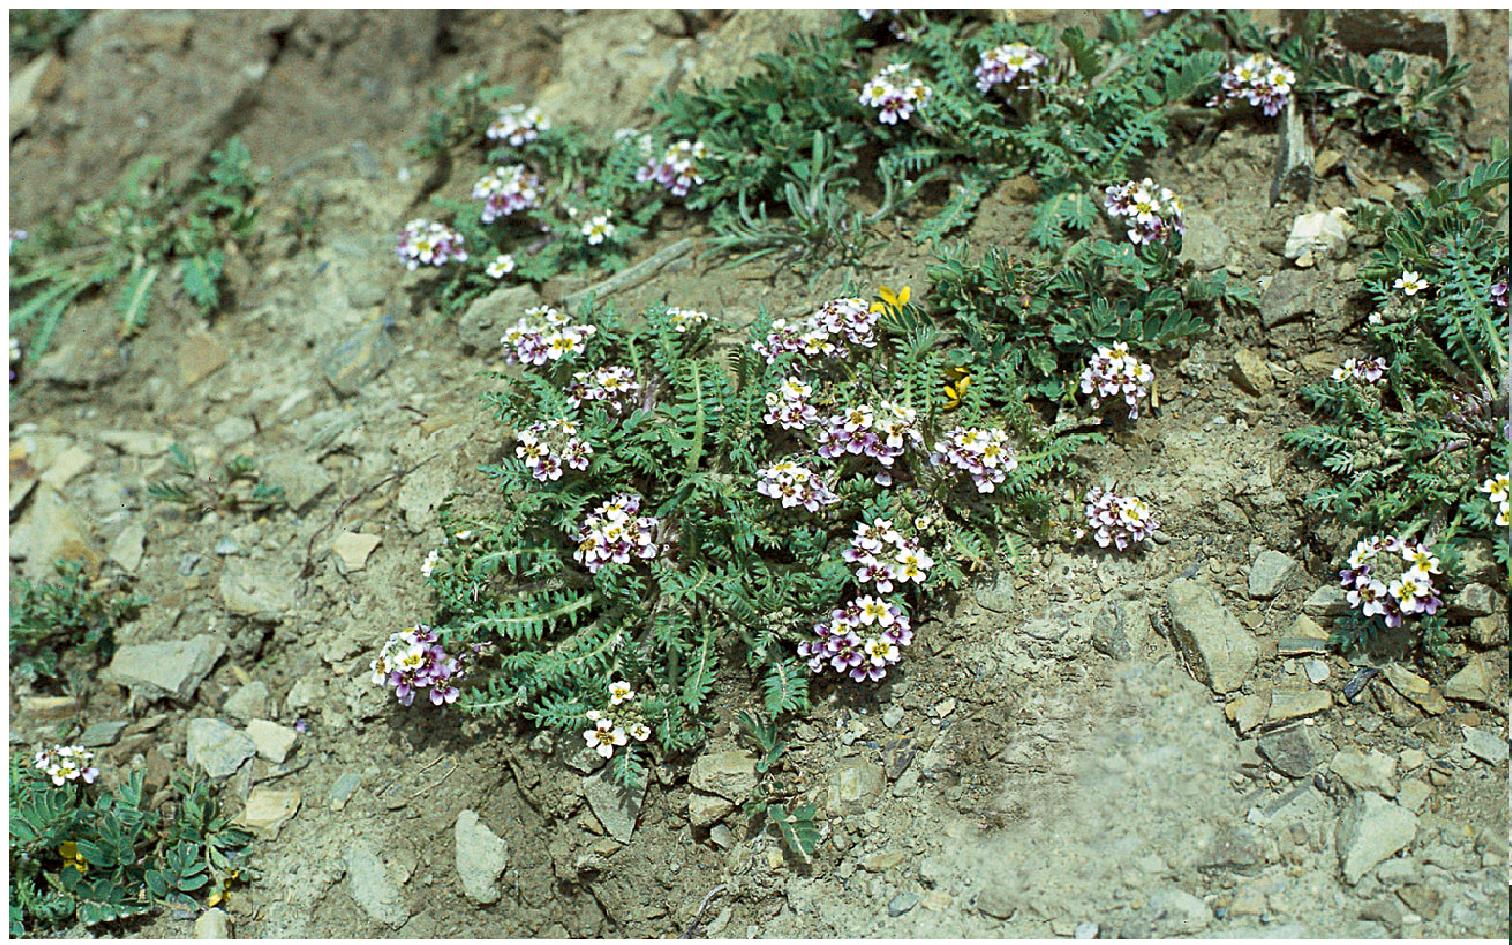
[(49, 619), (81, 853), (1414, 433), (679, 503)]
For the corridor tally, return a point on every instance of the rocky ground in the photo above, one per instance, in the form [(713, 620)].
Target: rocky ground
[(1149, 745)]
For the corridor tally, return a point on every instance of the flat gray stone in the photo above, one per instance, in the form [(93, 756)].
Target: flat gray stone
[(482, 857), (248, 702), (1290, 295), (302, 479), (171, 669), (1487, 746), (616, 807), (1293, 752), (256, 590), (102, 734), (217, 748), (1219, 651), (1271, 573), (729, 774), (1374, 772), (855, 782), (372, 888), (272, 741), (359, 358), (1371, 830)]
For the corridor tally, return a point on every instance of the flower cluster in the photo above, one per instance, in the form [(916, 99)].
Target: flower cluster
[(414, 659), (1006, 63), (815, 336), (1410, 282), (64, 763), (789, 406), (1391, 578), (895, 94), (506, 191), (1259, 80), (1151, 212), (425, 243), (985, 454), (1120, 521), (860, 640), (502, 266), (517, 125), (1364, 370), (1499, 293), (677, 169), (544, 334), (614, 386), (881, 432), (598, 228), (882, 555), (682, 319), (549, 446), (614, 727), (795, 485), (1498, 489), (1114, 371), (615, 532)]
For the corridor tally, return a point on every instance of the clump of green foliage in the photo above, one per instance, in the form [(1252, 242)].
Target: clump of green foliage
[(1406, 456), (50, 618), (740, 579), (128, 242), (83, 854), (1386, 94), (1043, 316), (1098, 109), (33, 32), (580, 175), (237, 487)]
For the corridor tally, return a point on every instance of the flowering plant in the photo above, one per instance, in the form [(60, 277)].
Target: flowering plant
[(1259, 80), (1391, 578), (895, 94), (64, 763), (1006, 63), (506, 191), (544, 335), (1114, 371), (1422, 453), (517, 125), (734, 496), (414, 659), (1122, 521), (427, 243), (1151, 212)]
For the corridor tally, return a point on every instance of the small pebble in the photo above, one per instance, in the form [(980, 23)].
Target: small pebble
[(901, 904)]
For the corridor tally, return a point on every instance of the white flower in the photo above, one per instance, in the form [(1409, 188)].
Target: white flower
[(604, 737), (502, 266), (598, 229), (1410, 282), (620, 692), (640, 731), (431, 560)]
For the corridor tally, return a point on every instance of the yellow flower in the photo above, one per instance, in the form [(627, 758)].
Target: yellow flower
[(72, 857), (892, 302), (957, 380)]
